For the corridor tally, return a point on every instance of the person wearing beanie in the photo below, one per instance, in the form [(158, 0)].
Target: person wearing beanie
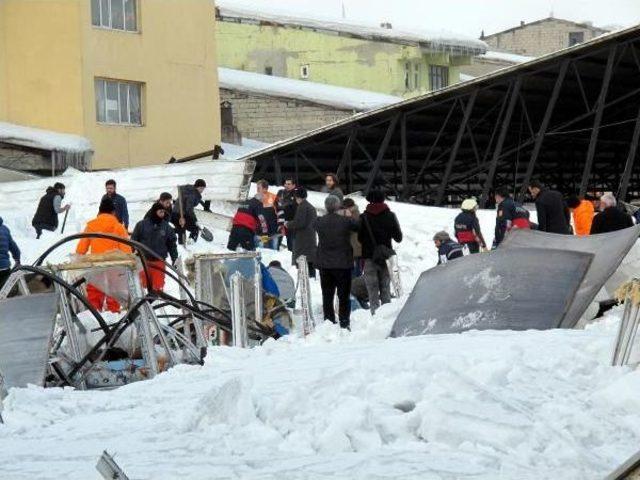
[(183, 215), (378, 227), (49, 207), (447, 248), (302, 228), (106, 222), (155, 233), (467, 227)]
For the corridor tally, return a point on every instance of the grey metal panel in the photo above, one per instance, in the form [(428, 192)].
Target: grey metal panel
[(510, 289), (26, 328), (609, 250)]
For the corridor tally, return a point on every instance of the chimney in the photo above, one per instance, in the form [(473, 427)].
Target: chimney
[(386, 25), (522, 23)]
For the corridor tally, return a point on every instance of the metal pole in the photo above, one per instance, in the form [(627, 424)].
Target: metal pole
[(257, 289), (381, 151), (403, 158), (631, 158), (593, 142), (304, 292), (238, 317)]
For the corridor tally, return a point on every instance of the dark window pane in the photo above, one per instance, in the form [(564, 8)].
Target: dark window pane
[(135, 95), (105, 13), (130, 16), (100, 101), (117, 14), (95, 12), (124, 103)]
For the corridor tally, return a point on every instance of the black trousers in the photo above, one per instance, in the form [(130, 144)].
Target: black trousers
[(241, 236), (41, 226), (4, 276), (332, 280), (474, 247)]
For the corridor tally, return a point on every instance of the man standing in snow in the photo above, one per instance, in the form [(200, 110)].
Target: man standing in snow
[(505, 214), (7, 245), (183, 216), (305, 242), (245, 224), (156, 233), (286, 206), (119, 202), (269, 216), (553, 214), (378, 226), (331, 186), (49, 207), (447, 248), (582, 212), (105, 222), (335, 260), (467, 227), (611, 218)]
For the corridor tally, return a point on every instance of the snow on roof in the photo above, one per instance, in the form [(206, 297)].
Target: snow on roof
[(505, 57), (438, 40), (339, 97), (42, 139), (466, 78), (232, 151)]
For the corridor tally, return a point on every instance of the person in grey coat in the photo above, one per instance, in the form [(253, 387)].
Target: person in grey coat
[(331, 186), (302, 228), (335, 260)]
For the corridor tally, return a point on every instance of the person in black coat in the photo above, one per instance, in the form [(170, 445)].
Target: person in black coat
[(611, 218), (301, 226), (286, 206), (334, 258), (505, 214), (378, 226), (155, 233), (119, 202), (467, 227), (553, 214), (447, 249), (183, 216), (245, 225), (49, 207)]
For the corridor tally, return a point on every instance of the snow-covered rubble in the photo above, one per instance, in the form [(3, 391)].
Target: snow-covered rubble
[(479, 405)]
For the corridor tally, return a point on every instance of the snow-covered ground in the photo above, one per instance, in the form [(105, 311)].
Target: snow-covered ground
[(479, 405)]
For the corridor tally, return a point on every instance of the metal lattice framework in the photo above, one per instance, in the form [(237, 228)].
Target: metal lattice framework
[(571, 119)]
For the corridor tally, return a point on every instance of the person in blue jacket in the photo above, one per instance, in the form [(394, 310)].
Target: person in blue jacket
[(122, 212), (7, 245)]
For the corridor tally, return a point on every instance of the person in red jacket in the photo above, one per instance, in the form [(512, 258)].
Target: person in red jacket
[(245, 225)]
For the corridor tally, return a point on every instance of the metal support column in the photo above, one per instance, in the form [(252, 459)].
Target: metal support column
[(456, 146), (543, 128), (346, 154), (515, 93), (631, 158), (403, 156), (593, 142), (381, 151)]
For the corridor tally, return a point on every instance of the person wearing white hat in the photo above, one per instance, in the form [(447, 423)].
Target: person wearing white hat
[(467, 227)]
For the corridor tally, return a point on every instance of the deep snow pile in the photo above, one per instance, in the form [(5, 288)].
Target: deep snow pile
[(479, 405)]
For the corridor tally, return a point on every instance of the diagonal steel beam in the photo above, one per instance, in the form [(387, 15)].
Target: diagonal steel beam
[(381, 151), (597, 120), (581, 86), (454, 152), (504, 129), (346, 154), (631, 158), (543, 127)]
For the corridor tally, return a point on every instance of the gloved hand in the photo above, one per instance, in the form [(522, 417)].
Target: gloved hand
[(207, 205)]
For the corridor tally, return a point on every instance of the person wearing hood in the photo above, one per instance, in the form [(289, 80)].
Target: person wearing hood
[(7, 246), (331, 186), (378, 226), (106, 222), (155, 233), (301, 226), (447, 248), (467, 227), (165, 199), (49, 207), (611, 218)]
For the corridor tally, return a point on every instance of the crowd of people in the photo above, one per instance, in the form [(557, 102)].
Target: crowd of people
[(347, 248)]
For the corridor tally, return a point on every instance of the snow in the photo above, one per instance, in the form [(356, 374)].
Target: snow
[(233, 151), (42, 139), (339, 97), (437, 39), (345, 405), (466, 78), (505, 57)]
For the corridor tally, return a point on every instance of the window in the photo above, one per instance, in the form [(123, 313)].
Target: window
[(268, 70), (438, 77), (416, 76), (304, 71), (115, 14), (118, 102), (575, 38), (407, 75)]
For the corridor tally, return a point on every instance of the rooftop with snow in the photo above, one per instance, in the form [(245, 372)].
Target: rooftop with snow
[(334, 96), (271, 15), (14, 134)]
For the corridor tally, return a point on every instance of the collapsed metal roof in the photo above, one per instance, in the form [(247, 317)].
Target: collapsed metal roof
[(571, 119)]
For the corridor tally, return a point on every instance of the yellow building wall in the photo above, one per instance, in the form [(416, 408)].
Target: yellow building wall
[(174, 55), (41, 81), (50, 54), (332, 59)]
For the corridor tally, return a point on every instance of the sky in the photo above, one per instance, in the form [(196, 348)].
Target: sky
[(469, 17)]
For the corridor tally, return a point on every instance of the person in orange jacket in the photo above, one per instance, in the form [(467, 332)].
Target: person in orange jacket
[(582, 212), (106, 222)]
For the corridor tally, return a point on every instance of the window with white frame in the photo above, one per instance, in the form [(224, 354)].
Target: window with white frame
[(115, 14), (407, 75), (118, 102), (438, 77), (416, 76)]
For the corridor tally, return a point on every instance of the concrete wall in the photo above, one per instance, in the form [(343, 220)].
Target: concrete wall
[(332, 59), (481, 66), (53, 55), (539, 38), (270, 119)]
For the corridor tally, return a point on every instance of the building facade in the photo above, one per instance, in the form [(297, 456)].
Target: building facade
[(377, 59), (138, 79), (542, 37)]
